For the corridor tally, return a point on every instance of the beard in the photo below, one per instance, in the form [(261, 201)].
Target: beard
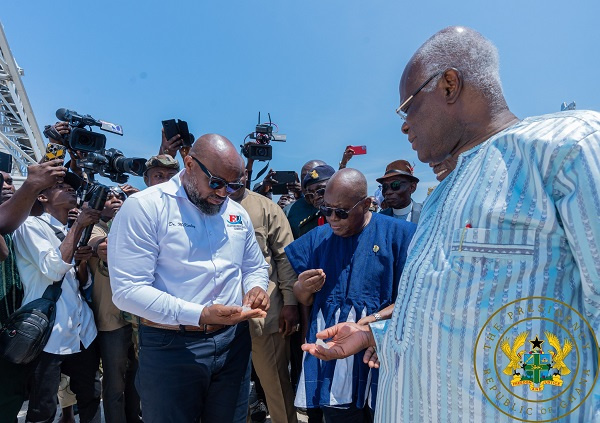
[(202, 203)]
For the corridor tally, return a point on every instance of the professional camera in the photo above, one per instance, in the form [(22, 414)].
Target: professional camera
[(260, 150), (112, 164), (94, 157), (81, 139)]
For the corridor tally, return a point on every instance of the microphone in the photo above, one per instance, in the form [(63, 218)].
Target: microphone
[(64, 115), (75, 119)]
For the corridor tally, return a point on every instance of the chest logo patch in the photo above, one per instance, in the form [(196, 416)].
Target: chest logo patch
[(235, 219)]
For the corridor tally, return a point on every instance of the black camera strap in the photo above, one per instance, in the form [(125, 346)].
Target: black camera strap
[(262, 171)]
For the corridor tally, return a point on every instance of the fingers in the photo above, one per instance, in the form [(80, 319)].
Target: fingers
[(288, 329), (256, 313), (175, 142), (371, 358), (226, 311), (366, 320), (83, 253), (282, 326), (314, 283), (319, 352), (257, 298), (312, 280)]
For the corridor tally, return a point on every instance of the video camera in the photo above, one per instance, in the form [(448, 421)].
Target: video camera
[(96, 159), (263, 134)]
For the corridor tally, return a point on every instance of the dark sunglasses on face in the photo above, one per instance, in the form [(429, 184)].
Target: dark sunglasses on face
[(214, 182), (395, 185), (340, 213), (318, 193)]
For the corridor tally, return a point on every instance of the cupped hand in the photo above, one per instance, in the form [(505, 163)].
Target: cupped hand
[(347, 339)]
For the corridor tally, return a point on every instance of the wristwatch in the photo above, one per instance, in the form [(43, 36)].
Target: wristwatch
[(377, 316)]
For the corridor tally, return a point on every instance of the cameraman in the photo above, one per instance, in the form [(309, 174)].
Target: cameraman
[(42, 259), (14, 209), (39, 177), (57, 134)]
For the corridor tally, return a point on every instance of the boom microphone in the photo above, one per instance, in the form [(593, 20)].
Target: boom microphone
[(77, 120)]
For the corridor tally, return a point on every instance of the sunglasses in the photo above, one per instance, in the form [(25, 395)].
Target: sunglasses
[(318, 193), (395, 185), (340, 213), (214, 182), (403, 108)]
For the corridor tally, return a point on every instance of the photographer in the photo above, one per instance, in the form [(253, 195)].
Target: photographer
[(172, 145), (39, 177), (15, 207), (42, 259), (58, 134)]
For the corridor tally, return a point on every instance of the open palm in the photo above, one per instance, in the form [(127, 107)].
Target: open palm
[(346, 339)]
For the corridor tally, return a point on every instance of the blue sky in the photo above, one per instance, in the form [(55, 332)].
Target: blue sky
[(327, 70)]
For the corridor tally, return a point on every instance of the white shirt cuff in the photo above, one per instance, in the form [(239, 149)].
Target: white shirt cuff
[(190, 314)]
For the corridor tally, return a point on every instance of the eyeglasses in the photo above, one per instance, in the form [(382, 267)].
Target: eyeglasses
[(214, 182), (341, 213), (394, 185), (318, 193), (403, 108)]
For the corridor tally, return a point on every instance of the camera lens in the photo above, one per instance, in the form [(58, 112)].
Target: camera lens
[(262, 152), (85, 140)]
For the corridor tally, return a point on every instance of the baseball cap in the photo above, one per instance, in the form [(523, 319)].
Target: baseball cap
[(162, 160)]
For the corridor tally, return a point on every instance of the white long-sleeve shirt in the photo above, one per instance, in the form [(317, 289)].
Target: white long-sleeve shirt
[(40, 264), (168, 260)]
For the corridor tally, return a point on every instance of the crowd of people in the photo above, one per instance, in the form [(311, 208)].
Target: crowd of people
[(201, 299)]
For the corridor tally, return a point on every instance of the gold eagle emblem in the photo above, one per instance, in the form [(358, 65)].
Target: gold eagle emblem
[(314, 174), (560, 354), (512, 352)]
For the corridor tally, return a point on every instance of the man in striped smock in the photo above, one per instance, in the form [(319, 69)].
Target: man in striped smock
[(500, 296)]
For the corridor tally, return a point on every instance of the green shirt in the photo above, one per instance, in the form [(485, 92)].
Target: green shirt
[(11, 288)]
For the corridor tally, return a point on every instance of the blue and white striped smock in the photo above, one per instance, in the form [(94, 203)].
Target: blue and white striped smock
[(362, 273), (527, 204)]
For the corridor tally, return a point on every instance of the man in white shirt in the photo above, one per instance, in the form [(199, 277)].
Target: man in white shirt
[(42, 259), (184, 258), (397, 185)]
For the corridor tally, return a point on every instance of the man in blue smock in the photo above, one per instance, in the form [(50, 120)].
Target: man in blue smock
[(347, 270)]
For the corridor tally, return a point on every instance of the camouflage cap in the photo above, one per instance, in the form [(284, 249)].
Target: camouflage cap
[(162, 160)]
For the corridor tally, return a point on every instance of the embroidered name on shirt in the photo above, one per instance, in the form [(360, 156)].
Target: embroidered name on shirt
[(182, 224)]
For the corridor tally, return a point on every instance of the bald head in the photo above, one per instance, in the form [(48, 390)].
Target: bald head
[(350, 183), (310, 165), (347, 190), (218, 151), (466, 50)]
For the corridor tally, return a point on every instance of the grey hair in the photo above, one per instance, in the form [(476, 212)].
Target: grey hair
[(473, 55)]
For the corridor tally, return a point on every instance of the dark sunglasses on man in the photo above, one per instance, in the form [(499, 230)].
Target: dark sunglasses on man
[(340, 213), (395, 185), (214, 182), (318, 193)]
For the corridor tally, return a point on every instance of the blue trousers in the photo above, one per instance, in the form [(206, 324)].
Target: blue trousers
[(190, 376)]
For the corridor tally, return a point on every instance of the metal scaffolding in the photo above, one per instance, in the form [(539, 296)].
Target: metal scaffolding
[(19, 133)]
